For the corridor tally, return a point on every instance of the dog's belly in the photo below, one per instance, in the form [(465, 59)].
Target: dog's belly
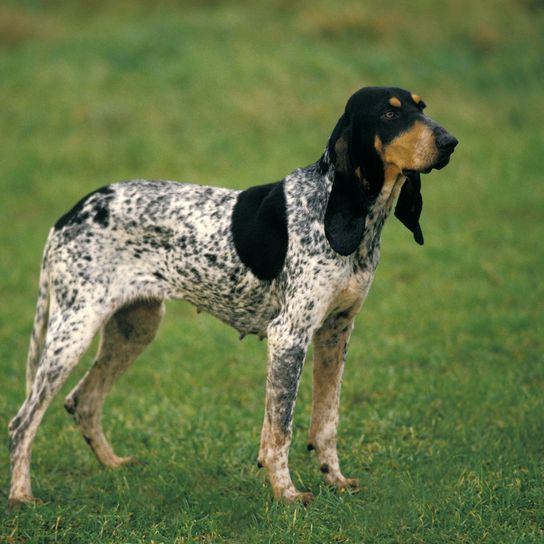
[(244, 303), (251, 318)]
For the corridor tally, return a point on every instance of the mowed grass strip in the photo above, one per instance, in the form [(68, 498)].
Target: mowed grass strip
[(443, 394)]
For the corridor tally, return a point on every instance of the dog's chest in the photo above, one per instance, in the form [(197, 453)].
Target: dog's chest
[(352, 292)]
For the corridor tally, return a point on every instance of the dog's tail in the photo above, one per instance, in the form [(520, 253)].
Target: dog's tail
[(41, 318)]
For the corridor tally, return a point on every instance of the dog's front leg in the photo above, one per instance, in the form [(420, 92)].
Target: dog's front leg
[(286, 352), (330, 347)]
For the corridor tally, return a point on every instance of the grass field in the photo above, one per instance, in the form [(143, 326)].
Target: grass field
[(443, 402)]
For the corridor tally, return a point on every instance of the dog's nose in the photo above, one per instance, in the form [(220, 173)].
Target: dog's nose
[(445, 141)]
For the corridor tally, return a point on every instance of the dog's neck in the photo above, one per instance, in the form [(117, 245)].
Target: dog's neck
[(378, 211)]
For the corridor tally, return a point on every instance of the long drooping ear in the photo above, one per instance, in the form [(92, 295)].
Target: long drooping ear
[(348, 202), (409, 206)]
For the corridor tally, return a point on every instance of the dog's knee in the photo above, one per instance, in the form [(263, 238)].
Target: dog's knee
[(14, 424), (18, 426), (71, 403), (83, 410)]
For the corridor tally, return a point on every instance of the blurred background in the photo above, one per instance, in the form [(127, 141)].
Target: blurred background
[(446, 356)]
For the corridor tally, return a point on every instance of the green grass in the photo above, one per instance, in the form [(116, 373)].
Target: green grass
[(443, 400)]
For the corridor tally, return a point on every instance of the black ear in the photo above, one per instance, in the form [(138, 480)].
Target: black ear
[(348, 202), (409, 206)]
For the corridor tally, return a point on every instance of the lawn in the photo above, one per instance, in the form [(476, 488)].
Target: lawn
[(442, 414)]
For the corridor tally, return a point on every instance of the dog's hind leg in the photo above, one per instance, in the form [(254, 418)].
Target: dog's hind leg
[(124, 337), (39, 328), (69, 334)]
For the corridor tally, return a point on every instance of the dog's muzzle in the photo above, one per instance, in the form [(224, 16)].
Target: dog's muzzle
[(445, 143)]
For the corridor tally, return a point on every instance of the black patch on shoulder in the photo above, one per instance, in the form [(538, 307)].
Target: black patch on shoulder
[(259, 229), (76, 216)]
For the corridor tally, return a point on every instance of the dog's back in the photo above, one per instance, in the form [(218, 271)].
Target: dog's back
[(158, 240)]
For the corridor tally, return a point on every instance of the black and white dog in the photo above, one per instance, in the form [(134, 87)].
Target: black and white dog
[(291, 261)]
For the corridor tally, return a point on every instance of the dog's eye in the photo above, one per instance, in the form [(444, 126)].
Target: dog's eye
[(390, 114)]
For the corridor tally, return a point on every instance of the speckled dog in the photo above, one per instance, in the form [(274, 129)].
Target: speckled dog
[(291, 261)]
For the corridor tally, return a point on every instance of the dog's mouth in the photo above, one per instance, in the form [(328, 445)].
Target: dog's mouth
[(440, 163)]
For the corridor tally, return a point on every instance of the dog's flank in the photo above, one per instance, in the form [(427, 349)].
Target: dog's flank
[(291, 261)]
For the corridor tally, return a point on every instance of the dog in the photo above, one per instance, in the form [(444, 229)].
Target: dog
[(291, 261)]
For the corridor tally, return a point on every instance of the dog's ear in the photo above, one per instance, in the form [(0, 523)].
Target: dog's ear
[(409, 206), (348, 202)]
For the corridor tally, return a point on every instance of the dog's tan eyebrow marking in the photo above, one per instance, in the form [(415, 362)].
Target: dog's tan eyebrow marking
[(394, 101), (416, 98)]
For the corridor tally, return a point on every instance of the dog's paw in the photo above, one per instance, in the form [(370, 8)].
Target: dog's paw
[(339, 481), (351, 484), (304, 498), (117, 462), (345, 484)]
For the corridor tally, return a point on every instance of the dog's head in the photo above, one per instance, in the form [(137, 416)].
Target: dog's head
[(382, 137)]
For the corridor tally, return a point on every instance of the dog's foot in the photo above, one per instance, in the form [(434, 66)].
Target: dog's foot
[(16, 503), (117, 462), (289, 494), (298, 497), (349, 484), (344, 484), (336, 479), (113, 461)]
